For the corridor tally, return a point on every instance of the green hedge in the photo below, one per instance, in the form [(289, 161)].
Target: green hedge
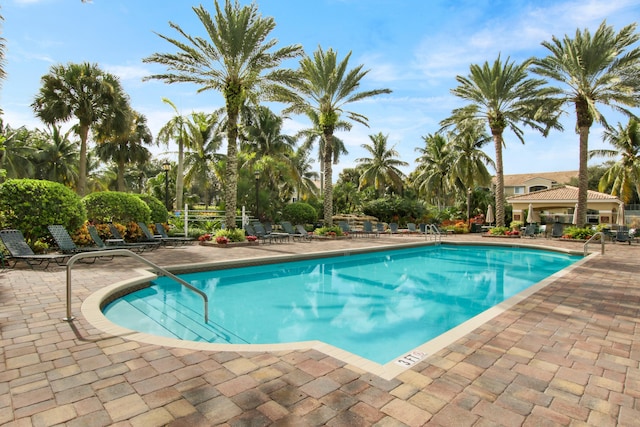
[(30, 205), (158, 210), (299, 213), (114, 206)]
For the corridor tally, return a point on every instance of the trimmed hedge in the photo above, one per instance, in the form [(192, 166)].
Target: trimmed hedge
[(158, 210), (299, 213), (114, 206), (30, 205)]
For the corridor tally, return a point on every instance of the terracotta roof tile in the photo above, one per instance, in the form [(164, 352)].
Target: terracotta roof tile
[(565, 192)]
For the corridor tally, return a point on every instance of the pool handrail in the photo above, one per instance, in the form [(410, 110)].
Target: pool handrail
[(586, 244), (126, 252), (432, 230)]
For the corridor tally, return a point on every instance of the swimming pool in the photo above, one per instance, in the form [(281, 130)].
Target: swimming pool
[(378, 305)]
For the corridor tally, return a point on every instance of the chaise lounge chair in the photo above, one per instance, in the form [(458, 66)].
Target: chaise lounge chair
[(367, 229), (19, 250), (65, 243), (557, 230), (163, 235), (296, 234), (135, 247), (118, 239), (622, 235), (150, 237), (261, 233)]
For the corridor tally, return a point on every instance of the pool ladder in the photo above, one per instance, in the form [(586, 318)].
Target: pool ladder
[(125, 252), (586, 244), (431, 232)]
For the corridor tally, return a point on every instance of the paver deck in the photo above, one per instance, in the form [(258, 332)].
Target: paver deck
[(567, 355)]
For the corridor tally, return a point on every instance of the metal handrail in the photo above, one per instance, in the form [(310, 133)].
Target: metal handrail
[(126, 252), (437, 235), (602, 236)]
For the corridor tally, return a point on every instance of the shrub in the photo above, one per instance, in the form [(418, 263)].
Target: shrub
[(578, 233), (516, 225), (234, 235), (158, 210), (499, 231), (330, 231), (299, 213), (114, 206), (30, 205)]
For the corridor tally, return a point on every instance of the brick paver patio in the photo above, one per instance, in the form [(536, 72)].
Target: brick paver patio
[(568, 355)]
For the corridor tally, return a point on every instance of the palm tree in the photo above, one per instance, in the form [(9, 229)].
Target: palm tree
[(432, 171), (624, 175), (381, 169), (17, 153), (126, 147), (602, 68), (468, 161), (326, 86), (304, 177), (206, 135), (238, 63), (56, 157), (175, 129), (87, 93), (502, 95)]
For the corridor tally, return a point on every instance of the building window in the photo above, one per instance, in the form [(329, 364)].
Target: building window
[(537, 188), (518, 190)]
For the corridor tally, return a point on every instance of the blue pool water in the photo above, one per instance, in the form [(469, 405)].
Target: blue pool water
[(377, 305)]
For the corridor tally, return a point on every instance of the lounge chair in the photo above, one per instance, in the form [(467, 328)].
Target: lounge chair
[(380, 227), (261, 233), (557, 230), (300, 228), (347, 230), (119, 240), (622, 235), (163, 234), (288, 228), (19, 250), (412, 228), (393, 226), (93, 232), (148, 236), (530, 231), (65, 243), (367, 229)]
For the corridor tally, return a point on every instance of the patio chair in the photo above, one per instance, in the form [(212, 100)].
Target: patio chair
[(557, 230), (622, 235), (93, 232), (148, 236), (288, 228), (367, 229), (19, 250), (119, 240), (301, 230), (347, 230), (261, 233), (163, 234), (530, 231), (412, 228), (66, 245), (393, 226), (380, 227)]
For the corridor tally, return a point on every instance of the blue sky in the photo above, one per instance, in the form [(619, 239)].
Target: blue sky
[(413, 47)]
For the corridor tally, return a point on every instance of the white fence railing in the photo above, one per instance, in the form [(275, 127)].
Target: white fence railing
[(210, 215)]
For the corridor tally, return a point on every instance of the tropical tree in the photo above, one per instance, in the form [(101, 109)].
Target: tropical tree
[(16, 156), (382, 168), (56, 156), (238, 61), (468, 161), (502, 95), (591, 70), (432, 170), (304, 177), (126, 147), (325, 87), (175, 130), (623, 176), (206, 135), (85, 92)]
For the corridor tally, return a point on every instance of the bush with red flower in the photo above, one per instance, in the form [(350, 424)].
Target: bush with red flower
[(205, 237), (222, 240), (252, 238)]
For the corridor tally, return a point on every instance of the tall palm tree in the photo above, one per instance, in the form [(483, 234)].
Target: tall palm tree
[(206, 135), (303, 176), (602, 68), (17, 153), (126, 147), (432, 171), (468, 161), (502, 95), (85, 92), (57, 156), (381, 169), (175, 130), (624, 175), (325, 87), (238, 62)]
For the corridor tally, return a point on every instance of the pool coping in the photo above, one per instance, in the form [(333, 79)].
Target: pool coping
[(92, 310)]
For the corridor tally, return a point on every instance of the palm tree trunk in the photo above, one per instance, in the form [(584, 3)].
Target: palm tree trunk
[(121, 166), (328, 186), (583, 176), (497, 140), (82, 167), (231, 172), (180, 174)]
